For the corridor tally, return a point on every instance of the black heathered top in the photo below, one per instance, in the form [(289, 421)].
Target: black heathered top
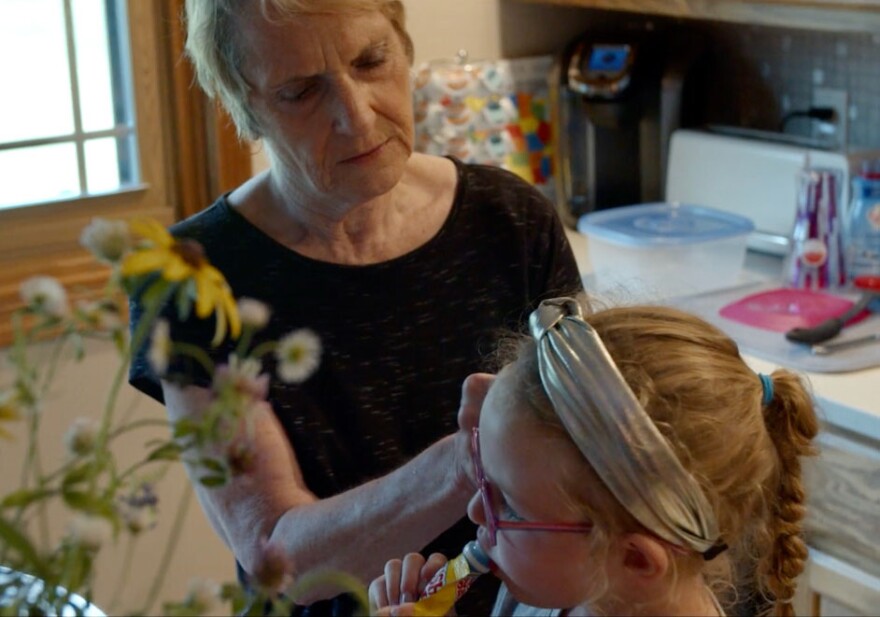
[(398, 337)]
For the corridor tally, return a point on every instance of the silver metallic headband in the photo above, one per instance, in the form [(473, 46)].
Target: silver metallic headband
[(615, 434)]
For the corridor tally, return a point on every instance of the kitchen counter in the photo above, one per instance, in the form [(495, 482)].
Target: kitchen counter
[(850, 401)]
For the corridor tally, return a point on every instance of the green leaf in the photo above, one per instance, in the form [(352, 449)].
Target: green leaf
[(212, 481), (120, 341), (183, 302), (18, 542), (155, 291), (84, 472), (185, 427), (169, 451), (212, 464), (90, 504), (77, 568), (24, 497)]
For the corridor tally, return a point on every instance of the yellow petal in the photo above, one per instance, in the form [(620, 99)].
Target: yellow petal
[(220, 327), (176, 269), (206, 295), (147, 260), (152, 230), (232, 310)]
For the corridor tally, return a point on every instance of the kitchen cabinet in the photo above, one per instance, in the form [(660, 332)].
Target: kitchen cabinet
[(833, 15), (842, 525)]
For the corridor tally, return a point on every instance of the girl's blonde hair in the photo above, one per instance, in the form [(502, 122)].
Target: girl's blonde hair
[(212, 44), (707, 402)]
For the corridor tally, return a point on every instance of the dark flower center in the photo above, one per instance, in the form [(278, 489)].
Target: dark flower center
[(190, 251)]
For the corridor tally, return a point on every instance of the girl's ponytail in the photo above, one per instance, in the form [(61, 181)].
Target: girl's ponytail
[(792, 425)]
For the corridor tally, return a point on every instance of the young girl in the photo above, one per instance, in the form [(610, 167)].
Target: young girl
[(630, 463)]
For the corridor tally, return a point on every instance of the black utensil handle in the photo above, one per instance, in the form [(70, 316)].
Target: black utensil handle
[(817, 334), (830, 327)]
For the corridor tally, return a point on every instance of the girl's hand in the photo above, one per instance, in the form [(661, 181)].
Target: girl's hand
[(404, 580)]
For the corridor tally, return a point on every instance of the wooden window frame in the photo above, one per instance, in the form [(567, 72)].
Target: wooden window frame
[(189, 153)]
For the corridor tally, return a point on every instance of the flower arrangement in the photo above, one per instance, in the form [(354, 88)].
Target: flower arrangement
[(102, 499)]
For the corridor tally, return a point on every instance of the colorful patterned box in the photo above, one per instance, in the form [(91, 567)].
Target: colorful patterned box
[(495, 112)]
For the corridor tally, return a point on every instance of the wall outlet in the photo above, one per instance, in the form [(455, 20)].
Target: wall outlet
[(835, 133)]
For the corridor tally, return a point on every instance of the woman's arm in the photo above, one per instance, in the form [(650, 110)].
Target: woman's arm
[(356, 531)]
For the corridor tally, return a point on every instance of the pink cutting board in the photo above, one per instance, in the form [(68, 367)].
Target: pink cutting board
[(781, 310)]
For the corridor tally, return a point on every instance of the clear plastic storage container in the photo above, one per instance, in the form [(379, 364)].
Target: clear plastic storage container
[(659, 250)]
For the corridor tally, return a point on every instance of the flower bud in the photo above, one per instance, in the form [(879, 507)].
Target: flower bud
[(107, 240), (81, 436)]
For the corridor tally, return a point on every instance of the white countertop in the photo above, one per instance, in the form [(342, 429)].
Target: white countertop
[(849, 400)]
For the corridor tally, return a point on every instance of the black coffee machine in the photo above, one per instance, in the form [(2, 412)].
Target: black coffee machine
[(618, 99)]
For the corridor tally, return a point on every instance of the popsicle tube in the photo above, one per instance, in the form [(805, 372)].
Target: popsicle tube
[(452, 581)]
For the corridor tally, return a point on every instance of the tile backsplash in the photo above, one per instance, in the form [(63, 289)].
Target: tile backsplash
[(773, 71), (752, 76)]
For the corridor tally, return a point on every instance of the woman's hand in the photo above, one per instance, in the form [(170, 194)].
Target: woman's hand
[(473, 393), (395, 592)]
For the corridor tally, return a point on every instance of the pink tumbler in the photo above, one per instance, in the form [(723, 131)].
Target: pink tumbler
[(815, 258)]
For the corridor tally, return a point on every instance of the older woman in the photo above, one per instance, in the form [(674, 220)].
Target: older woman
[(404, 264)]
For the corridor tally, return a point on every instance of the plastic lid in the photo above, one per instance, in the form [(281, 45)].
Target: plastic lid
[(655, 224)]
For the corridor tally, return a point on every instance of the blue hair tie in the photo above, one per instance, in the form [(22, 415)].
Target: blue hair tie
[(767, 385)]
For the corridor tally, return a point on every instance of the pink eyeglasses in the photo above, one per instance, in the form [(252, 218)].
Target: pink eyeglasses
[(493, 523)]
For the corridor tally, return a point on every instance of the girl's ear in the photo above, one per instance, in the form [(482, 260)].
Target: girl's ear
[(645, 560)]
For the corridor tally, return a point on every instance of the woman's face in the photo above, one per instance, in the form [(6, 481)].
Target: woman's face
[(529, 468), (331, 95)]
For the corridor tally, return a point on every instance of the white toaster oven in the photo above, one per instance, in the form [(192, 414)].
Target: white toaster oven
[(752, 177)]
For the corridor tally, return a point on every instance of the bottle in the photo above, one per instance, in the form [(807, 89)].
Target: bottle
[(453, 580), (863, 226), (816, 256)]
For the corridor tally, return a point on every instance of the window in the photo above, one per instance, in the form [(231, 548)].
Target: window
[(76, 112), (84, 128)]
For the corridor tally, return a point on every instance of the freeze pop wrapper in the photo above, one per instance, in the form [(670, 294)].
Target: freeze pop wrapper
[(452, 581)]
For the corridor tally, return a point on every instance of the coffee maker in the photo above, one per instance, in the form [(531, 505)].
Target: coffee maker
[(618, 98)]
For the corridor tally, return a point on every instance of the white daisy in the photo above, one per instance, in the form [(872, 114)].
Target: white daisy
[(299, 354), (160, 347), (90, 532), (253, 313), (243, 374), (202, 595), (107, 240), (81, 436), (45, 294)]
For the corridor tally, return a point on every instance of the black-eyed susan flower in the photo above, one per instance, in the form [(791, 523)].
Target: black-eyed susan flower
[(180, 261)]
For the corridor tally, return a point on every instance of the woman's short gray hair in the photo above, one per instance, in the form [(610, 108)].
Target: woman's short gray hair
[(213, 48)]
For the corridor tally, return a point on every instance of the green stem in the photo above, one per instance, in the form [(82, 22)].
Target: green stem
[(119, 480), (123, 575), (244, 342), (196, 353), (264, 348), (130, 426), (151, 313), (53, 364), (170, 546)]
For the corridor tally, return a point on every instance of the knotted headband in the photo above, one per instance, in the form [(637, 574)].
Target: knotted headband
[(615, 434)]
